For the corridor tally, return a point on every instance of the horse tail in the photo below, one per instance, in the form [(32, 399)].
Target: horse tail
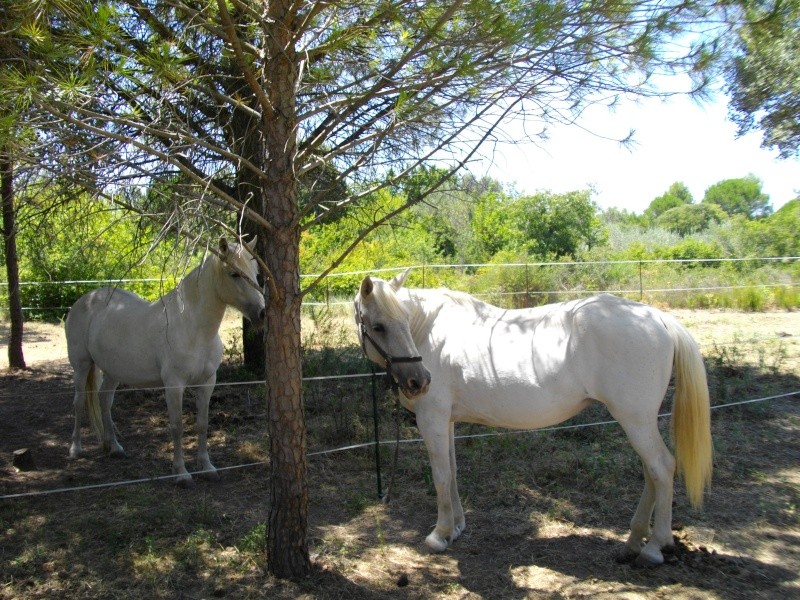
[(91, 403), (691, 414)]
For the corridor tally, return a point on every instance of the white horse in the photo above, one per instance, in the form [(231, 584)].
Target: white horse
[(171, 343), (536, 367)]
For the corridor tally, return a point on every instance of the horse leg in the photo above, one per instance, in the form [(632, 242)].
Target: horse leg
[(659, 467), (434, 429), (79, 375), (174, 395), (640, 523), (459, 522), (110, 443), (207, 470)]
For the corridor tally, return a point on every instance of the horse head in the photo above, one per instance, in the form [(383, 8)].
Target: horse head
[(385, 334), (239, 283)]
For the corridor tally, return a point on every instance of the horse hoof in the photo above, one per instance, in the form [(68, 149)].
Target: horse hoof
[(186, 483), (647, 562), (118, 453), (209, 475), (435, 542)]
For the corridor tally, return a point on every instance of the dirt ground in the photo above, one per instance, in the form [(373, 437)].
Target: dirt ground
[(547, 513)]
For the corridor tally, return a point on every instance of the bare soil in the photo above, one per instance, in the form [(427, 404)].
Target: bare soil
[(547, 513)]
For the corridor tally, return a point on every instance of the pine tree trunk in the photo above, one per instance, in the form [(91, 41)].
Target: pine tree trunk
[(287, 547), (16, 358), (249, 142)]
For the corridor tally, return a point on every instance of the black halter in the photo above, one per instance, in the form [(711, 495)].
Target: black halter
[(390, 360)]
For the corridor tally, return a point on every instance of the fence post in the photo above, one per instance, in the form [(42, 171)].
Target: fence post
[(641, 287), (527, 288)]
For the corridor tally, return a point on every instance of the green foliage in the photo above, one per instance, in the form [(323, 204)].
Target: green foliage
[(690, 218), (84, 240), (741, 196), (557, 225), (491, 226), (676, 196), (254, 541), (407, 240), (762, 79), (780, 232)]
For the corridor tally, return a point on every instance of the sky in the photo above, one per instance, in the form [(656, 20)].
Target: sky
[(676, 140)]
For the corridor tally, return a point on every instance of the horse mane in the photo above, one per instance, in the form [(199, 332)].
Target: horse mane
[(388, 302), (461, 298)]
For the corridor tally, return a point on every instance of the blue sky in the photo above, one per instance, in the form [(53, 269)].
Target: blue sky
[(676, 140)]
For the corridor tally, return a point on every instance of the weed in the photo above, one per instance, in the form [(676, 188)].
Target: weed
[(192, 551), (255, 541), (751, 299), (356, 504), (787, 297)]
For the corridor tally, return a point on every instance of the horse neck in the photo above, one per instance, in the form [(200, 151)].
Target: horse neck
[(422, 309), (425, 305), (197, 300)]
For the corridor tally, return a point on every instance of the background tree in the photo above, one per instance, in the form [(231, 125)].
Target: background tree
[(690, 218), (740, 196), (16, 356), (229, 105), (677, 195), (762, 77), (557, 225)]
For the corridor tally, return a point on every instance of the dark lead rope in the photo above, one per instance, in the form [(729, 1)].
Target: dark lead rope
[(390, 360)]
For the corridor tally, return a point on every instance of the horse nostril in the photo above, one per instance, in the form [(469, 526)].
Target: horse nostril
[(413, 385)]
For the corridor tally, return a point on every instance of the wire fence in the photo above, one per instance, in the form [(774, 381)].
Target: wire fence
[(517, 284), (332, 401), (385, 442)]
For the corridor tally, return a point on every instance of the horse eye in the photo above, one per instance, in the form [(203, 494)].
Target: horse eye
[(379, 328), (235, 275)]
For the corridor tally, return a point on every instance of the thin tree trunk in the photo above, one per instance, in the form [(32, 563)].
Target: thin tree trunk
[(287, 547), (16, 358)]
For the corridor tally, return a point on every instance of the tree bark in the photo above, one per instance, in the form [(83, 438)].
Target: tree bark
[(16, 357), (248, 140), (287, 546)]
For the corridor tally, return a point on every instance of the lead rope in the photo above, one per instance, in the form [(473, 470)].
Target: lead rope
[(389, 489), (395, 388)]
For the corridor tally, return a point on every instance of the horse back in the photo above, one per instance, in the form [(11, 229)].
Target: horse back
[(115, 329), (620, 348), (535, 367)]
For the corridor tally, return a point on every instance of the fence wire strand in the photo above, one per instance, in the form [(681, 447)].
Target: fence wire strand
[(114, 484)]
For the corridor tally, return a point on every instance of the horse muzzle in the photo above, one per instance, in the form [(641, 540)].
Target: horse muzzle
[(256, 315), (413, 380)]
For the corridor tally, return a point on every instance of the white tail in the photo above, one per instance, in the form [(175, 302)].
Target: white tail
[(92, 405), (691, 414)]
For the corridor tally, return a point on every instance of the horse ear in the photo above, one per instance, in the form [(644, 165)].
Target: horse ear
[(223, 246), (398, 280), (366, 287), (251, 245)]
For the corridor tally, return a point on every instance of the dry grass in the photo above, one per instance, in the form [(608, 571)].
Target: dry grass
[(546, 512)]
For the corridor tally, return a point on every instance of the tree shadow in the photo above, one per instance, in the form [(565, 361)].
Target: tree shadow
[(575, 560)]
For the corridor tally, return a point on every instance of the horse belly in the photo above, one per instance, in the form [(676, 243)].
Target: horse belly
[(515, 387), (518, 405)]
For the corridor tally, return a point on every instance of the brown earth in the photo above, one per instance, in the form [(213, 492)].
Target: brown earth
[(546, 512)]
